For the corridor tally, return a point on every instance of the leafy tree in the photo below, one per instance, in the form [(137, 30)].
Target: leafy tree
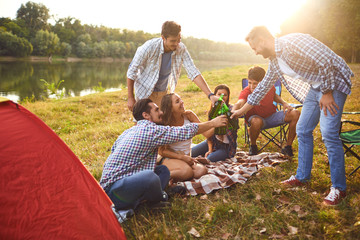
[(15, 27), (117, 49), (11, 45), (336, 23), (101, 49), (84, 51), (344, 27), (85, 38), (130, 49), (68, 29), (65, 49), (45, 43), (35, 16)]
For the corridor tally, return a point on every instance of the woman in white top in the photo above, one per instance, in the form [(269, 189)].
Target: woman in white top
[(176, 156)]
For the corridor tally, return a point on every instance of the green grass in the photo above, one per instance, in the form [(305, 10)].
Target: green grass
[(259, 209)]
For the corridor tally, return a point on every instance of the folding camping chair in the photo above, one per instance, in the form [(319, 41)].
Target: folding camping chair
[(276, 135), (350, 138)]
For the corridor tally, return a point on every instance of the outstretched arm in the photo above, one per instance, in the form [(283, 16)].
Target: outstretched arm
[(239, 104), (131, 98), (220, 121), (244, 109), (286, 106), (202, 84), (195, 119)]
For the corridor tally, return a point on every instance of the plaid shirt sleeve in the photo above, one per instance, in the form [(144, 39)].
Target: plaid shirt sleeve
[(164, 135), (138, 62), (145, 67), (263, 87), (314, 61), (189, 65), (312, 52), (136, 149)]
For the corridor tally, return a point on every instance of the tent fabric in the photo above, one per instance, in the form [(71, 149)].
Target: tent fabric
[(46, 192)]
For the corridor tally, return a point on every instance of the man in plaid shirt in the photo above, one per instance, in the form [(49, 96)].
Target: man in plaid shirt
[(319, 79), (129, 175), (157, 66)]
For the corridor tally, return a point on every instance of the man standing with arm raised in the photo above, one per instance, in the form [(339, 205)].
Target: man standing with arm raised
[(319, 79), (157, 65)]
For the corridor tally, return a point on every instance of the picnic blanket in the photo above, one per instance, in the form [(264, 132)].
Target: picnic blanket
[(238, 169)]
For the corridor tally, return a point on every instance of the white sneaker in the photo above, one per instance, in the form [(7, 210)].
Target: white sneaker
[(334, 197)]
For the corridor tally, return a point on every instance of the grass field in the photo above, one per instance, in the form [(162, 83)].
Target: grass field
[(259, 209)]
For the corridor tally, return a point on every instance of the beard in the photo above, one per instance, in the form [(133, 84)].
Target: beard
[(266, 53)]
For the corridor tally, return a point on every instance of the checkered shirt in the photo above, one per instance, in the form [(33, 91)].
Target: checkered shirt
[(136, 149), (310, 59), (145, 67)]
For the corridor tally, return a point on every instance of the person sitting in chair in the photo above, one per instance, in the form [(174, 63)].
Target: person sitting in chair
[(265, 115)]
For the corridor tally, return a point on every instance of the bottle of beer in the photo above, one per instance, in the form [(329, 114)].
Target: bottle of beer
[(232, 123), (217, 106)]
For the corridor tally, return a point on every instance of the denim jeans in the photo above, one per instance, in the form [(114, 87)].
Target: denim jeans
[(310, 116), (202, 148), (128, 192)]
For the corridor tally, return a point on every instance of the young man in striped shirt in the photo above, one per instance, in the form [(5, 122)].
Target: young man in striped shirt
[(156, 67)]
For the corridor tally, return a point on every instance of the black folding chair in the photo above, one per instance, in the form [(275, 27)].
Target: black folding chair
[(350, 138), (276, 135)]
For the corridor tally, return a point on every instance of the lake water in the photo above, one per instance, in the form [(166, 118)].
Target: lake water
[(21, 79)]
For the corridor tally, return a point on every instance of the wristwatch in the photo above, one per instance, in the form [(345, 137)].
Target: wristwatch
[(210, 94)]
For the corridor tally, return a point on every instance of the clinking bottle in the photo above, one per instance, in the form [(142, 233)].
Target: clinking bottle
[(220, 108)]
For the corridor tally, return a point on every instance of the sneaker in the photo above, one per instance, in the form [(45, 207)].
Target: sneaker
[(287, 151), (292, 182), (176, 190), (164, 196), (334, 197), (253, 150)]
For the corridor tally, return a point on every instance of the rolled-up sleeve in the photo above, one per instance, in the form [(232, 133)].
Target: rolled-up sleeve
[(191, 69), (262, 88)]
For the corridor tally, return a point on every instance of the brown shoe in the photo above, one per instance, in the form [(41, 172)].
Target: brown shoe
[(292, 182), (334, 197)]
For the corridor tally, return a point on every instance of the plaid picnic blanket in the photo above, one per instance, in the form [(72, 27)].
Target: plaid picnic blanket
[(238, 169)]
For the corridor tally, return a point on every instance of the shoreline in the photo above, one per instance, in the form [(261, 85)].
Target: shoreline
[(60, 59)]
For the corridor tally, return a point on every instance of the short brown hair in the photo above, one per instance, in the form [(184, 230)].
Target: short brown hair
[(140, 107), (256, 73), (170, 28), (259, 31)]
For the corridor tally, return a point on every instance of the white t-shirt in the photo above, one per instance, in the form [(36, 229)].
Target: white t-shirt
[(183, 146), (286, 70)]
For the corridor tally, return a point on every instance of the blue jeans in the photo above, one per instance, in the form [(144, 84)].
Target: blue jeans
[(310, 116), (128, 192), (274, 120), (202, 148)]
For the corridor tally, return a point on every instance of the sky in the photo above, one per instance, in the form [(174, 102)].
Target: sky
[(217, 20)]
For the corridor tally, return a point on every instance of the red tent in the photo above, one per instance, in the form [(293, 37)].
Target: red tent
[(45, 191)]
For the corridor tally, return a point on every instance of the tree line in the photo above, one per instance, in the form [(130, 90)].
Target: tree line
[(334, 22), (31, 34)]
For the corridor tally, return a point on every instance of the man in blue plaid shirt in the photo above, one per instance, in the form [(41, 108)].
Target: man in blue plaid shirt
[(319, 79), (130, 174)]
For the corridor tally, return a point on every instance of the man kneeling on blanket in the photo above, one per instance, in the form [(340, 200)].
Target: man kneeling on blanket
[(130, 175)]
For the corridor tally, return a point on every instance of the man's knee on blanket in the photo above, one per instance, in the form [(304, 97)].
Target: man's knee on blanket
[(179, 170), (199, 170)]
